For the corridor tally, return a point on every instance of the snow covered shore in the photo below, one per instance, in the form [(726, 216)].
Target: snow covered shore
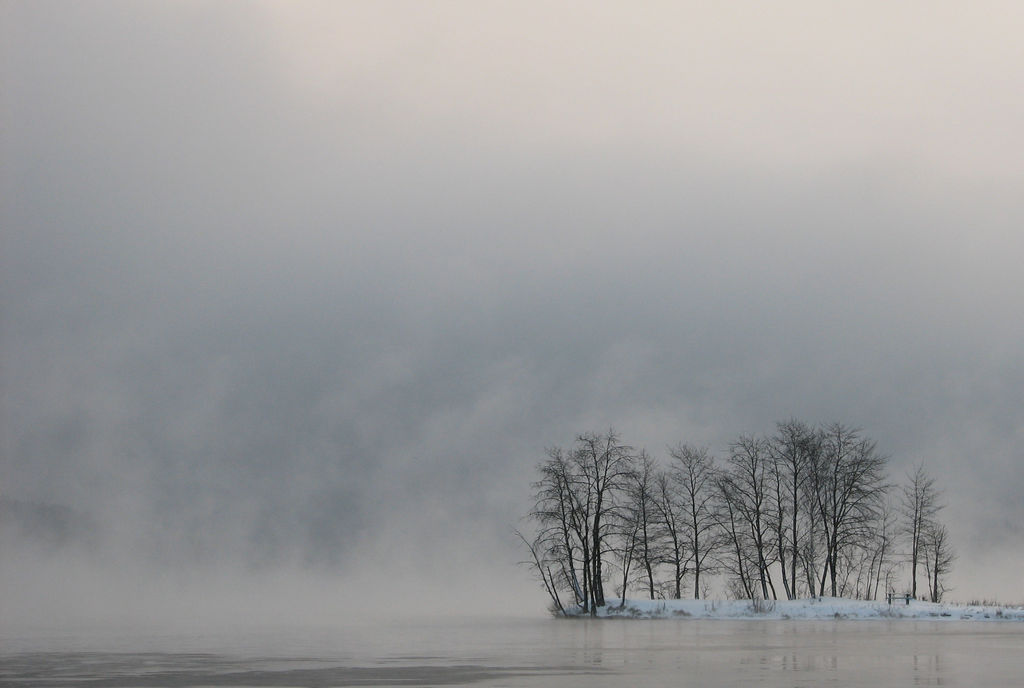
[(817, 608)]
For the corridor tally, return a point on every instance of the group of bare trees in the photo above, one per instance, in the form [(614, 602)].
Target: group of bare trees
[(927, 538), (806, 511)]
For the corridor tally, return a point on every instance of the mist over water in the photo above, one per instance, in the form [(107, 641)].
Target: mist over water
[(293, 297)]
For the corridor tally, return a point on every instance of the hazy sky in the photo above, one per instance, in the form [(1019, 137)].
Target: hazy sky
[(295, 294)]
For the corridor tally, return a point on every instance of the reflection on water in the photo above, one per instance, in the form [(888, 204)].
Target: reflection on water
[(542, 652)]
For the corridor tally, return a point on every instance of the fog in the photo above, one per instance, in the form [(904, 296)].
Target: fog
[(293, 296)]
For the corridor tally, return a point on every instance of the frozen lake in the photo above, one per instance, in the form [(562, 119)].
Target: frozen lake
[(535, 652)]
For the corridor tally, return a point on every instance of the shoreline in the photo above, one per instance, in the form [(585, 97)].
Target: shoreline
[(820, 608)]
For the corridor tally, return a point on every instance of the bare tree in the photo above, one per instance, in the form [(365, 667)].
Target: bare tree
[(643, 513), (562, 510), (541, 562), (849, 485), (627, 545), (919, 505), (750, 485), (938, 558), (792, 450), (637, 534), (578, 509), (809, 546), (866, 564), (881, 549), (605, 465), (736, 556), (693, 473), (671, 523)]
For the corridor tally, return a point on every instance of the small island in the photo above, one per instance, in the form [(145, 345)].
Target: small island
[(801, 523)]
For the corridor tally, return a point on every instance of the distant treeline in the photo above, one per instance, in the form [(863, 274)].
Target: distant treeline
[(805, 511)]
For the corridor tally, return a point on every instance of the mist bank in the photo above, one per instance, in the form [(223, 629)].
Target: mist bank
[(64, 570), (65, 593)]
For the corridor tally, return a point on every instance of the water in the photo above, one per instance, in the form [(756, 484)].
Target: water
[(534, 652)]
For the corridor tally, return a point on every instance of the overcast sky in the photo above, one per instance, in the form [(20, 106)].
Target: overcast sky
[(302, 291)]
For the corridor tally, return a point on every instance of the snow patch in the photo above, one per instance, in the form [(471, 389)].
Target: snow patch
[(813, 608)]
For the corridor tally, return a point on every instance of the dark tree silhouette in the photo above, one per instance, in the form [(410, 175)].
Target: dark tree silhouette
[(919, 505)]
